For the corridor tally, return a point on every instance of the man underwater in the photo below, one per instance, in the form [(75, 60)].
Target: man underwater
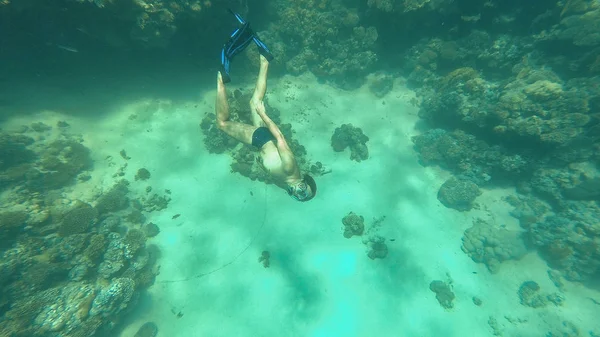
[(264, 134)]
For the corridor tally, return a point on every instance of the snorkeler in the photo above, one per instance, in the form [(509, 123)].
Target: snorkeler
[(276, 156)]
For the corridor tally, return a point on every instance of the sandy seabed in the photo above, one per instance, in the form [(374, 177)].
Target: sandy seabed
[(318, 283)]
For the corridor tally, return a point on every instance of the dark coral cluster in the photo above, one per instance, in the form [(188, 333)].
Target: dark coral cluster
[(67, 267), (349, 136), (27, 165), (512, 98), (325, 37), (567, 239)]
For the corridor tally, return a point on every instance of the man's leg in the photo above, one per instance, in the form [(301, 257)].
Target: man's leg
[(239, 131), (259, 91)]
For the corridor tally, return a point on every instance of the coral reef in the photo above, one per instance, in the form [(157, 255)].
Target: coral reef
[(579, 23), (68, 267), (566, 239), (325, 38), (471, 158), (491, 245), (60, 163), (569, 241), (350, 136)]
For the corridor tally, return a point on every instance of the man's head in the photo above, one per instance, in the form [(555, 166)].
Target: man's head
[(304, 190)]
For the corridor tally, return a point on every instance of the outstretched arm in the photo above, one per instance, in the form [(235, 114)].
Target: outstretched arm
[(260, 110), (285, 153)]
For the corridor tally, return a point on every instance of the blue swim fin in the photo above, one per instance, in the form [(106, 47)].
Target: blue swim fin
[(238, 41)]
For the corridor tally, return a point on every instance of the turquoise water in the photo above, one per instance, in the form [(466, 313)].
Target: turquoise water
[(454, 146)]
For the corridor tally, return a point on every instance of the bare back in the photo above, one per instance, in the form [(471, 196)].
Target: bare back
[(271, 161)]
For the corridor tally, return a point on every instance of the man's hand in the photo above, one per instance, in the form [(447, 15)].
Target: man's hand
[(260, 108)]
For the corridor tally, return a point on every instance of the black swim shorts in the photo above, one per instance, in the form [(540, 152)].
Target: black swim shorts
[(261, 136)]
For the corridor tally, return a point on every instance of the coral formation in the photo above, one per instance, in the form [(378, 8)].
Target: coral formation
[(458, 194), (350, 136), (114, 200), (325, 38), (265, 259), (151, 230), (378, 249), (491, 245), (443, 293), (353, 225), (470, 158), (142, 174), (529, 294), (67, 268), (78, 220)]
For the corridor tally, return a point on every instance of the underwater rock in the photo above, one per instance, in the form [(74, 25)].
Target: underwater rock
[(458, 194), (148, 329), (443, 293), (349, 136), (353, 225), (485, 243)]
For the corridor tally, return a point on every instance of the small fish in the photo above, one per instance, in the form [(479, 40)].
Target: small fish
[(176, 216), (67, 48)]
